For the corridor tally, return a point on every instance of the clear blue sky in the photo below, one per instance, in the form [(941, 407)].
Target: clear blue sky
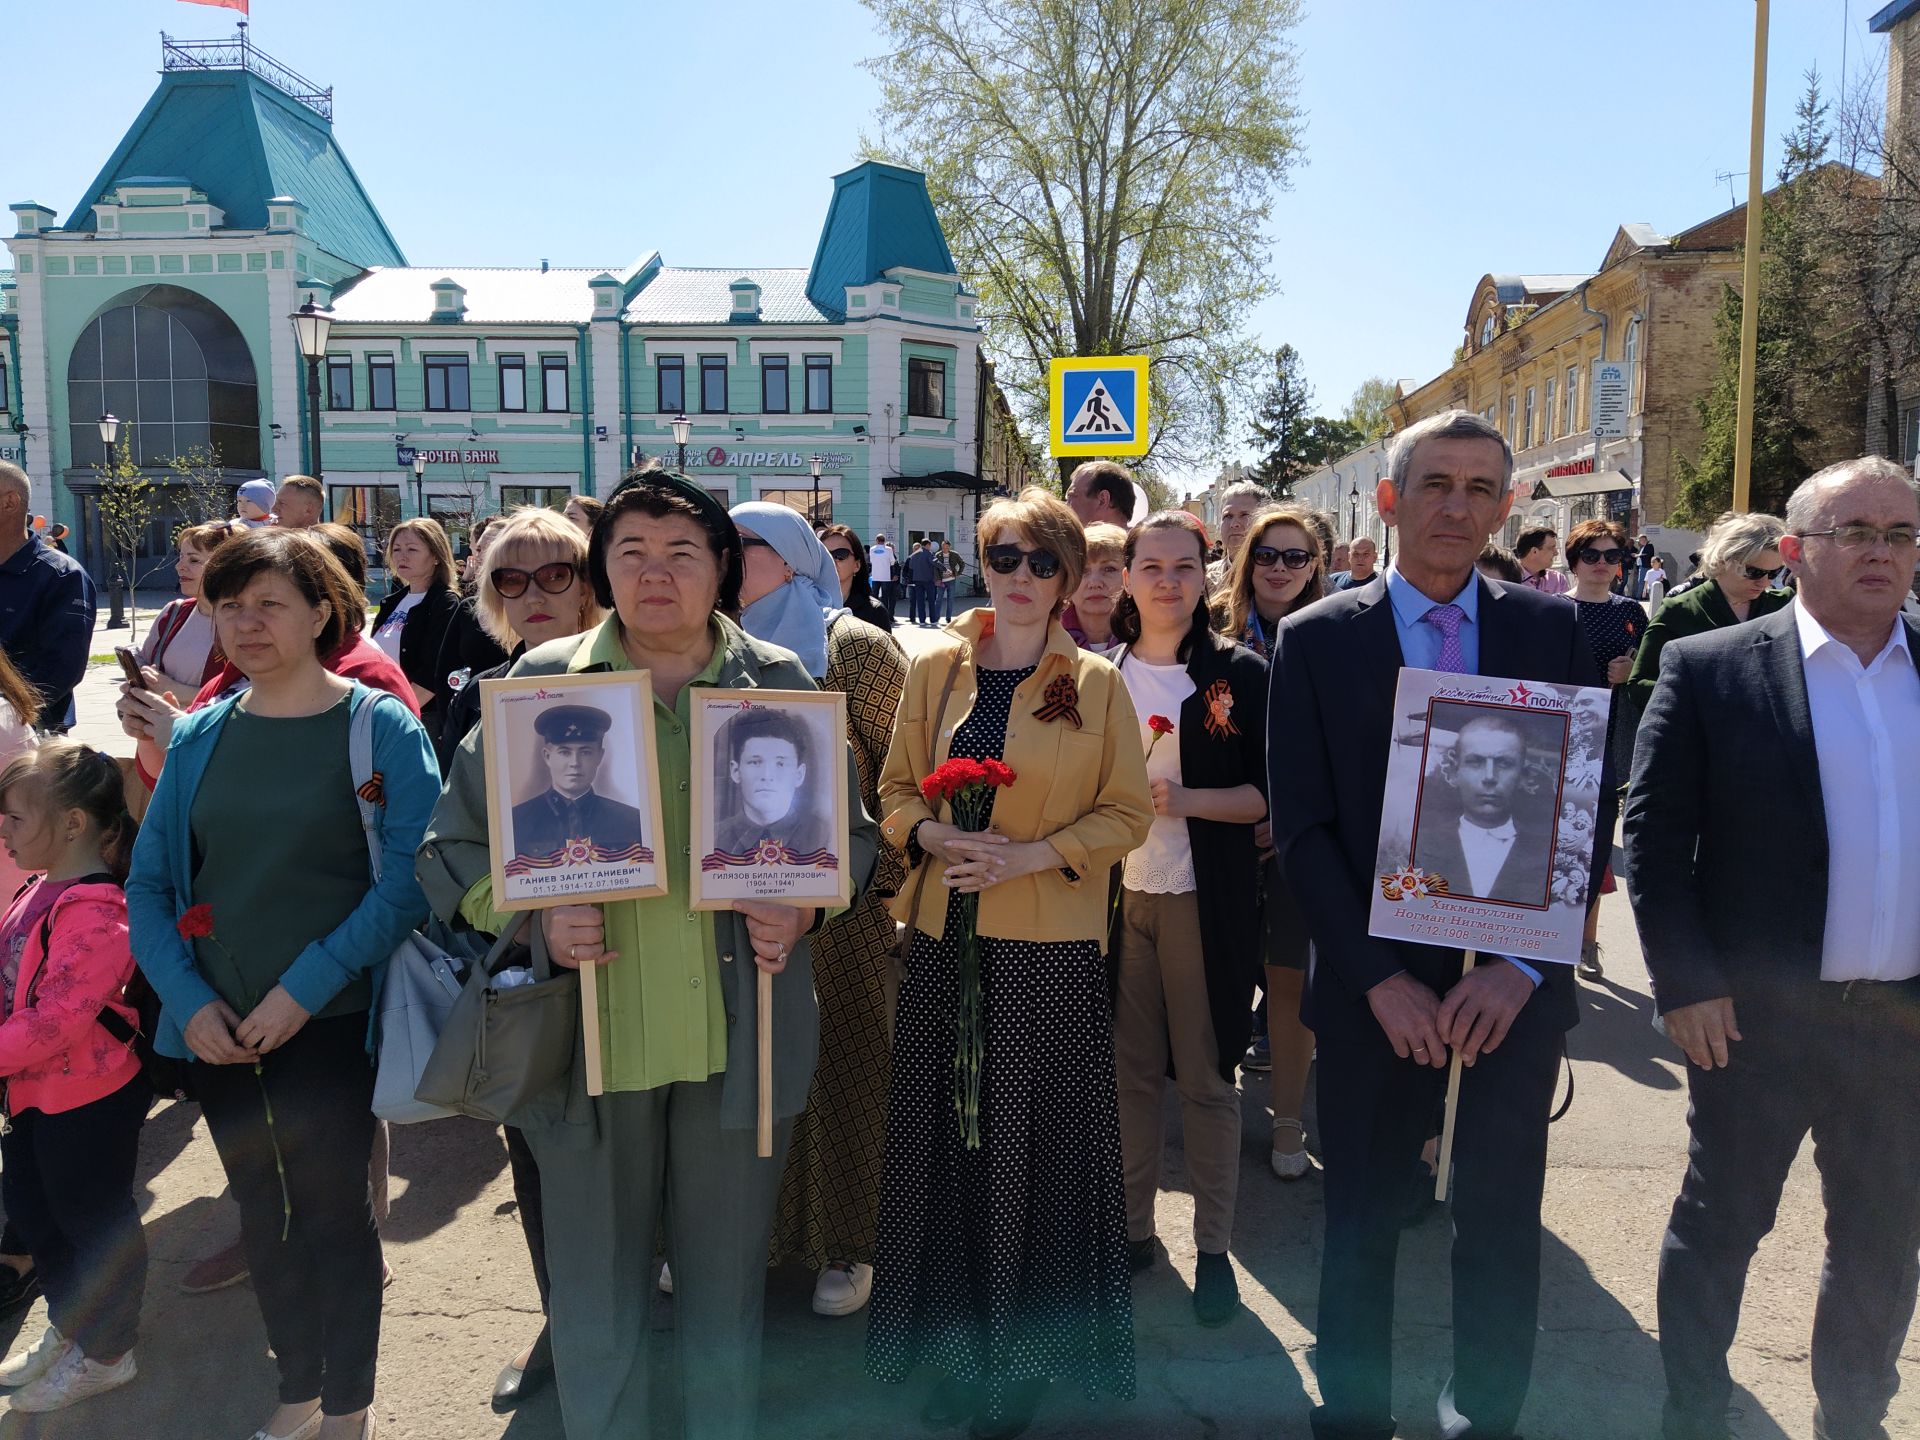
[(1444, 140)]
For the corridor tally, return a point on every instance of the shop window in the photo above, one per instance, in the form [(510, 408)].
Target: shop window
[(513, 382), (773, 385), (380, 382), (672, 385), (819, 385), (927, 389), (447, 383), (816, 505), (370, 511), (339, 382), (547, 497), (713, 384), (554, 398)]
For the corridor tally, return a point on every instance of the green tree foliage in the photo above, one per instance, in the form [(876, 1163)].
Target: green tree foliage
[(128, 504), (1369, 411), (1291, 439), (1104, 170), (1802, 378)]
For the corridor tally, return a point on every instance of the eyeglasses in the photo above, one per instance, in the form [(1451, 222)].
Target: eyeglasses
[(1265, 556), (1005, 559), (1852, 537), (1599, 557), (1756, 572), (839, 553), (553, 579)]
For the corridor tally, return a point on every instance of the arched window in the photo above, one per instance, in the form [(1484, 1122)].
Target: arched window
[(175, 370), (1630, 356)]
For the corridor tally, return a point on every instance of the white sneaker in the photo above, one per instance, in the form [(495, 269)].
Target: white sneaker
[(305, 1430), (30, 1364), (842, 1289), (74, 1379), (666, 1279)]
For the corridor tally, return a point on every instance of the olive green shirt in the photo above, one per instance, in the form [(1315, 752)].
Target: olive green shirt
[(662, 1016)]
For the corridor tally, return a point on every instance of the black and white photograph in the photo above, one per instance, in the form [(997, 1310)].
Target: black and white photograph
[(572, 804), (769, 802), (1488, 824)]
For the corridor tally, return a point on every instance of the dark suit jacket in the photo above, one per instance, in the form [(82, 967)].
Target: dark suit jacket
[(1689, 612), (1524, 874), (1724, 767), (1330, 720)]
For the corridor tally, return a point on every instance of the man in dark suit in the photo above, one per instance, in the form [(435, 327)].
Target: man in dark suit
[(573, 747), (1385, 1012), (1790, 974), (1480, 829)]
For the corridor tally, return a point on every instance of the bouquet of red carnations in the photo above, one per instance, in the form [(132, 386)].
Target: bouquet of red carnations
[(967, 786)]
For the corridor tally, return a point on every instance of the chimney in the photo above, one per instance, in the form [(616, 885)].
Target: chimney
[(543, 266)]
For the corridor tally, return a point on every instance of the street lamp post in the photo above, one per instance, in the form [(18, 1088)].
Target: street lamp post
[(419, 482), (813, 496), (109, 433), (312, 324), (682, 429), (1353, 511)]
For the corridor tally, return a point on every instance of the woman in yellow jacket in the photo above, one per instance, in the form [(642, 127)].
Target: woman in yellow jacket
[(1002, 1251)]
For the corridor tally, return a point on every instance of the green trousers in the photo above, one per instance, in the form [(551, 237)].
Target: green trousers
[(602, 1206)]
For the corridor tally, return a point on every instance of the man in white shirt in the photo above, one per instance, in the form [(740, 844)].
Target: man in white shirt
[(880, 557), (1789, 973)]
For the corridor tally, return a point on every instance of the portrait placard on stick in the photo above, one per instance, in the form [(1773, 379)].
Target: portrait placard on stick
[(573, 799), (1487, 833), (769, 810)]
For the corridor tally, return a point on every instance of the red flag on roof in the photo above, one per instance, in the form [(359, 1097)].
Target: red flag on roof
[(240, 5)]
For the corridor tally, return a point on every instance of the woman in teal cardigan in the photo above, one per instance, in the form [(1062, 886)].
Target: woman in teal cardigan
[(1740, 555), (255, 915)]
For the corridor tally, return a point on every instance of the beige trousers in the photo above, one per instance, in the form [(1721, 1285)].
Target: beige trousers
[(1160, 1011)]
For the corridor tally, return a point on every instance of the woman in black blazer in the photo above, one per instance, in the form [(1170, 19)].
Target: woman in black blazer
[(426, 627)]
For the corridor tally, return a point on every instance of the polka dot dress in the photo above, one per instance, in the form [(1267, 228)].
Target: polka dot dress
[(1006, 1263)]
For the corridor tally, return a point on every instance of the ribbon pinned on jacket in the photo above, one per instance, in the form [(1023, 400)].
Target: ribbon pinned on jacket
[(1063, 698)]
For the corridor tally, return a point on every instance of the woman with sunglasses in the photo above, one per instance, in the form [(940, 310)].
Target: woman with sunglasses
[(1277, 571), (1185, 991), (1737, 562), (850, 563), (1597, 554), (1002, 1255)]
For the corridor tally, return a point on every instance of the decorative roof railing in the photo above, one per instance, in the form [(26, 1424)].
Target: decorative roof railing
[(240, 53)]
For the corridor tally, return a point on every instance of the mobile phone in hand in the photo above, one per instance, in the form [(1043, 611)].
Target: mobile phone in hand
[(130, 663)]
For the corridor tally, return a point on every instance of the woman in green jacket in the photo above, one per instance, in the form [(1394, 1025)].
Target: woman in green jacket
[(1739, 557), (674, 1132)]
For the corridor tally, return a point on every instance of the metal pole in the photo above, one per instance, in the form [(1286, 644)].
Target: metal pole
[(118, 618), (1750, 281), (313, 417), (683, 459)]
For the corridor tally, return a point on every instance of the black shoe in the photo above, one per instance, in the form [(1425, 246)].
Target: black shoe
[(17, 1289), (1022, 1399), (1216, 1294), (951, 1402), (1140, 1254), (514, 1384)]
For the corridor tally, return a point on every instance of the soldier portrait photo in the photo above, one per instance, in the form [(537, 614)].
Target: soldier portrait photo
[(1486, 817)]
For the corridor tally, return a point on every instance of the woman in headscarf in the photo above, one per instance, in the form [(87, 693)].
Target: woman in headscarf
[(830, 1196)]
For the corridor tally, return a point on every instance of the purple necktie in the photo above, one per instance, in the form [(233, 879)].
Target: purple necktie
[(1447, 619)]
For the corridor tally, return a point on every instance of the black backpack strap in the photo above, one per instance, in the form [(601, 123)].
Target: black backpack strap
[(109, 1019)]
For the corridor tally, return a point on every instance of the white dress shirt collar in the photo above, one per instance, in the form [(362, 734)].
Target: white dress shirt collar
[(1815, 637)]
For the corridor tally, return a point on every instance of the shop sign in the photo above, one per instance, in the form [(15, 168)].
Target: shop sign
[(719, 457), (403, 456), (1609, 403), (1572, 467), (13, 452)]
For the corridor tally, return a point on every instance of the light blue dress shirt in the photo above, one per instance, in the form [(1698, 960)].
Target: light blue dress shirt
[(1420, 645)]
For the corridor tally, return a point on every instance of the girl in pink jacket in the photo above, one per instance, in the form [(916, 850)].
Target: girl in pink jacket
[(75, 1096)]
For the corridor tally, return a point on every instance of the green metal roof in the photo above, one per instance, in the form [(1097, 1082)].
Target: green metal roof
[(242, 142), (880, 217)]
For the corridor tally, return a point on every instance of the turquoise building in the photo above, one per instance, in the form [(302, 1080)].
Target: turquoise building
[(165, 298)]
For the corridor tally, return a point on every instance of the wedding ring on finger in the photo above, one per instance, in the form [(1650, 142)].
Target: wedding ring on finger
[(573, 953)]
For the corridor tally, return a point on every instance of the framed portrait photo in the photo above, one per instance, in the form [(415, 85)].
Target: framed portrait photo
[(1487, 833), (769, 810), (573, 800)]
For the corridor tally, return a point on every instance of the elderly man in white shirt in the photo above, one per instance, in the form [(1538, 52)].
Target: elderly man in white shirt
[(1789, 971)]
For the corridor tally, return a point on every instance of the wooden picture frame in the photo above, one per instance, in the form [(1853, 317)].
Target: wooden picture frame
[(799, 857)]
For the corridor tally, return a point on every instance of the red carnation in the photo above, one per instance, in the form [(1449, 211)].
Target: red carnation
[(196, 924), (1160, 725)]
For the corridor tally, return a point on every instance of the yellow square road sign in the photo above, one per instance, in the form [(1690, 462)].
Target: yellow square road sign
[(1098, 405)]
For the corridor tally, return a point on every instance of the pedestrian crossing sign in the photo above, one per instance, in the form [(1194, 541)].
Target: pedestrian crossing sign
[(1098, 404)]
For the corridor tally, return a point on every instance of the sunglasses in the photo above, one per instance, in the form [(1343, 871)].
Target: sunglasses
[(1599, 557), (1756, 572), (839, 553), (1005, 559), (1266, 556), (553, 579)]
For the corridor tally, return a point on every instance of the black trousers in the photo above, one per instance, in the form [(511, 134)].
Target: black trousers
[(68, 1187), (1843, 1065), (526, 1194), (314, 1250), (1375, 1113)]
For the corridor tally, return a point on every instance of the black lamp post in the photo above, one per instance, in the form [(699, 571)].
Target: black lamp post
[(419, 482), (1353, 511), (312, 324), (682, 429), (109, 433), (813, 497)]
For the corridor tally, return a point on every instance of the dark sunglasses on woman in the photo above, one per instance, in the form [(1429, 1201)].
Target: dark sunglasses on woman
[(839, 553), (1266, 556), (1005, 559), (1599, 557), (552, 579), (1756, 572)]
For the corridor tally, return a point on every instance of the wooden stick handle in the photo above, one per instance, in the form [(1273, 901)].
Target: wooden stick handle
[(590, 1027), (1443, 1169), (765, 1007)]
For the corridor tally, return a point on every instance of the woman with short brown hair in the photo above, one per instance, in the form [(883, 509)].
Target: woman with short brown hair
[(423, 624)]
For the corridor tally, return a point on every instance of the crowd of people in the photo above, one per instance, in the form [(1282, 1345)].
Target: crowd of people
[(1168, 885)]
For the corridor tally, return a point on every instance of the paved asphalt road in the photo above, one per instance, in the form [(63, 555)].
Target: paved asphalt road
[(463, 1298)]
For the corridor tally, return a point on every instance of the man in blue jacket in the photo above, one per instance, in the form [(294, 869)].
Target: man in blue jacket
[(46, 606)]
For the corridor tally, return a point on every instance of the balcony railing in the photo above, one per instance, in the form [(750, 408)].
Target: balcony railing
[(240, 53)]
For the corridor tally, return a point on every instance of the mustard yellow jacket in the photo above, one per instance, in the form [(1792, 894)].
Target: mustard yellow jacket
[(1083, 788)]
